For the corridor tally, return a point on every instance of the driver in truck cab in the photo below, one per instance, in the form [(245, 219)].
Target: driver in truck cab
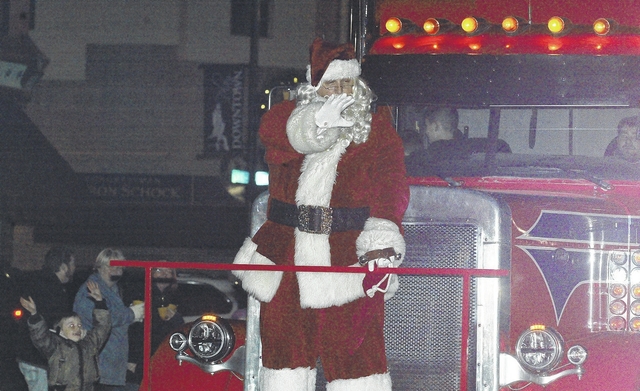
[(338, 193), (626, 145)]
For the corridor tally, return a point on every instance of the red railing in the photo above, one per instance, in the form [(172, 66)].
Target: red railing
[(466, 275)]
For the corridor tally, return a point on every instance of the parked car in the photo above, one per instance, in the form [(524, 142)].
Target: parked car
[(198, 292)]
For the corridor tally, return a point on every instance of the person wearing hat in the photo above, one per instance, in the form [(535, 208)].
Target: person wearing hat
[(338, 193)]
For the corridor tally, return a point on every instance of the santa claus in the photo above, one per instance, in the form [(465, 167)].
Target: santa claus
[(337, 196)]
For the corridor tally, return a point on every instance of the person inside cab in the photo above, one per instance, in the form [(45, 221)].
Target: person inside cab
[(626, 145), (441, 138), (444, 141), (440, 124)]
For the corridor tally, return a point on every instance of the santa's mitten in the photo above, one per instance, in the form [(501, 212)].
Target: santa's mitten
[(381, 242), (374, 281)]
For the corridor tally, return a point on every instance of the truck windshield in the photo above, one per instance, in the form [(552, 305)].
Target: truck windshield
[(525, 141)]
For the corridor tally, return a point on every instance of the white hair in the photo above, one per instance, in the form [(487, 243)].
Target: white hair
[(359, 112)]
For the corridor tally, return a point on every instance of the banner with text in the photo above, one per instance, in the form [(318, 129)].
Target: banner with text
[(225, 109)]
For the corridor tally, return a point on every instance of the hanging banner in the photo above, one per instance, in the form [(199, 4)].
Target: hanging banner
[(225, 109)]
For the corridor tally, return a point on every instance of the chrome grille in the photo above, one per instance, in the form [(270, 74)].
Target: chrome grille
[(423, 320)]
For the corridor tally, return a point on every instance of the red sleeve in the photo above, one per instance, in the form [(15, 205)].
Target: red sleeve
[(391, 196), (273, 134)]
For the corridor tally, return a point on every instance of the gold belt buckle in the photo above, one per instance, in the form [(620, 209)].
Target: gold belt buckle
[(315, 219)]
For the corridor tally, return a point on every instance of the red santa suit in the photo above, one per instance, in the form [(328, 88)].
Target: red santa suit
[(305, 316)]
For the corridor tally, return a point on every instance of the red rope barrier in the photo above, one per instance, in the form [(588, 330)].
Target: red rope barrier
[(316, 269), (466, 274)]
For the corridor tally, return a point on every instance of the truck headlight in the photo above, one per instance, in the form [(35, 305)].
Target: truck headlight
[(212, 343), (539, 349), (211, 338)]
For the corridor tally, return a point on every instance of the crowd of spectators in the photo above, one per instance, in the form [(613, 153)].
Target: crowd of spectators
[(88, 321)]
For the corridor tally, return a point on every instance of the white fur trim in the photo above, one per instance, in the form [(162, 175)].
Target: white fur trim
[(341, 69), (262, 285), (318, 175), (298, 379), (377, 382), (378, 234), (322, 290), (303, 133), (319, 290)]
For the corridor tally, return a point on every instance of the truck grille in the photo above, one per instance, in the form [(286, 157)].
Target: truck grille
[(423, 320)]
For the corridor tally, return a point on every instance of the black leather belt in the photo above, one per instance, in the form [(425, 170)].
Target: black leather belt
[(317, 219)]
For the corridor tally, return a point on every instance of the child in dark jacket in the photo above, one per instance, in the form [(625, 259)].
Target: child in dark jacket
[(72, 353)]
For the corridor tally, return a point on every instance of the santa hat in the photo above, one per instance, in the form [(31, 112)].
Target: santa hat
[(331, 61)]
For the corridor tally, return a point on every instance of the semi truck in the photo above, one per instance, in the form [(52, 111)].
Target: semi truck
[(555, 214)]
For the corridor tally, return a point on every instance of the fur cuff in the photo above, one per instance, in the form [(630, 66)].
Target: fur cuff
[(262, 285), (303, 133), (303, 379), (378, 234), (378, 382)]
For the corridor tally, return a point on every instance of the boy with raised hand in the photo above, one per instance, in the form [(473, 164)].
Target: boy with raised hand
[(72, 351)]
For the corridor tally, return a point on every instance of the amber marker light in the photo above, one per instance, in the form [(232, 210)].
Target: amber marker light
[(393, 25), (601, 26), (510, 24), (469, 24), (634, 324), (537, 327), (556, 25), (212, 318), (17, 314), (431, 26)]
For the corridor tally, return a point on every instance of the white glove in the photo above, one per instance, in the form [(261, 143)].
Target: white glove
[(138, 312), (329, 115)]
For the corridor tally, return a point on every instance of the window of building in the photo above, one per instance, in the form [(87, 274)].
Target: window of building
[(241, 12)]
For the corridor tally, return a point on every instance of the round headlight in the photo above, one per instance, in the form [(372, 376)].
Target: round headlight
[(539, 349), (211, 338), (577, 355), (178, 342)]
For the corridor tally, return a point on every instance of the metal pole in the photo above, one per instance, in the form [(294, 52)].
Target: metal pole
[(252, 144)]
